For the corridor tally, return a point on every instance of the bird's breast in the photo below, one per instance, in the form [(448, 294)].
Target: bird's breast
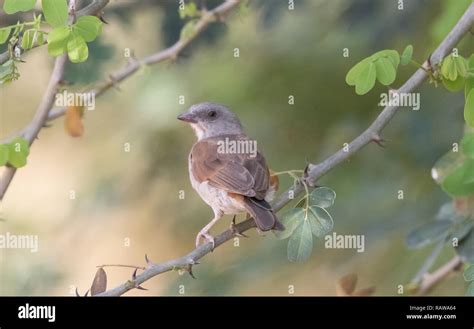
[(216, 198)]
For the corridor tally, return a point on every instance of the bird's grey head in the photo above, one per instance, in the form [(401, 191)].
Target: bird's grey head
[(210, 120)]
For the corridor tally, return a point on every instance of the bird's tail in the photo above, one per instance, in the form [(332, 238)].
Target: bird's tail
[(263, 214)]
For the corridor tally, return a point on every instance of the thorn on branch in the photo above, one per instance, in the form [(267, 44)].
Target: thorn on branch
[(194, 262), (148, 261), (140, 288), (85, 295), (429, 65), (134, 278), (101, 17), (379, 140), (134, 275), (114, 82), (306, 179), (235, 231), (189, 268)]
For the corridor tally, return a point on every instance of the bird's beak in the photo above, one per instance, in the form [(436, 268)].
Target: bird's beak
[(187, 117)]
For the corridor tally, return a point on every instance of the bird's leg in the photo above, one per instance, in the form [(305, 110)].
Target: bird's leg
[(204, 232), (234, 229)]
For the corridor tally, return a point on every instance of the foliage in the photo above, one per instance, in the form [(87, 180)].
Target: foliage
[(381, 66), (455, 170), (469, 277), (63, 37), (308, 218), (14, 153)]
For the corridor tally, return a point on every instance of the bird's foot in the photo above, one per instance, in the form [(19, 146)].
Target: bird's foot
[(235, 231), (207, 237)]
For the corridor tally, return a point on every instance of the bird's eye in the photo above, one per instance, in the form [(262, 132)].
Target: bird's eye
[(211, 114)]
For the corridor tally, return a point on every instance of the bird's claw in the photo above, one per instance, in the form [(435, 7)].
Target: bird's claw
[(207, 237)]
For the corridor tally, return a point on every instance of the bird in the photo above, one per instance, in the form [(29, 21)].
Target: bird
[(229, 178)]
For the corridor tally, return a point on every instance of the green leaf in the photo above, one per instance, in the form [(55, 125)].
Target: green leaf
[(428, 233), (320, 221), (300, 244), (386, 72), (301, 203), (40, 38), (469, 273), (407, 55), (470, 62), (381, 65), (55, 12), (189, 30), (189, 10), (28, 39), (455, 183), (469, 85), (391, 54), (366, 79), (355, 71), (291, 219), (4, 150), (8, 72), (14, 6), (461, 65), (4, 34), (448, 68), (467, 145), (88, 27), (470, 289), (465, 248), (446, 165), (6, 69), (469, 109), (18, 152), (322, 197), (455, 85), (57, 40), (469, 172), (468, 176), (77, 49)]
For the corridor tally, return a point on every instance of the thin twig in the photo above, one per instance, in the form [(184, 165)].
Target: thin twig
[(170, 53), (121, 265), (314, 171), (39, 119), (122, 74), (30, 133), (92, 9), (430, 280), (430, 260)]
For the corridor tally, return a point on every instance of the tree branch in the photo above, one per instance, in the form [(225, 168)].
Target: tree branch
[(39, 119), (313, 171), (428, 263), (172, 52), (93, 9), (41, 115), (430, 280)]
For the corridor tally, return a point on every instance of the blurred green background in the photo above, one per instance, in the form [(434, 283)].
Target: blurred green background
[(134, 196)]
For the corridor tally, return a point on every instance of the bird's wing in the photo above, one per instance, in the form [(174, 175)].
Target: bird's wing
[(233, 172)]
